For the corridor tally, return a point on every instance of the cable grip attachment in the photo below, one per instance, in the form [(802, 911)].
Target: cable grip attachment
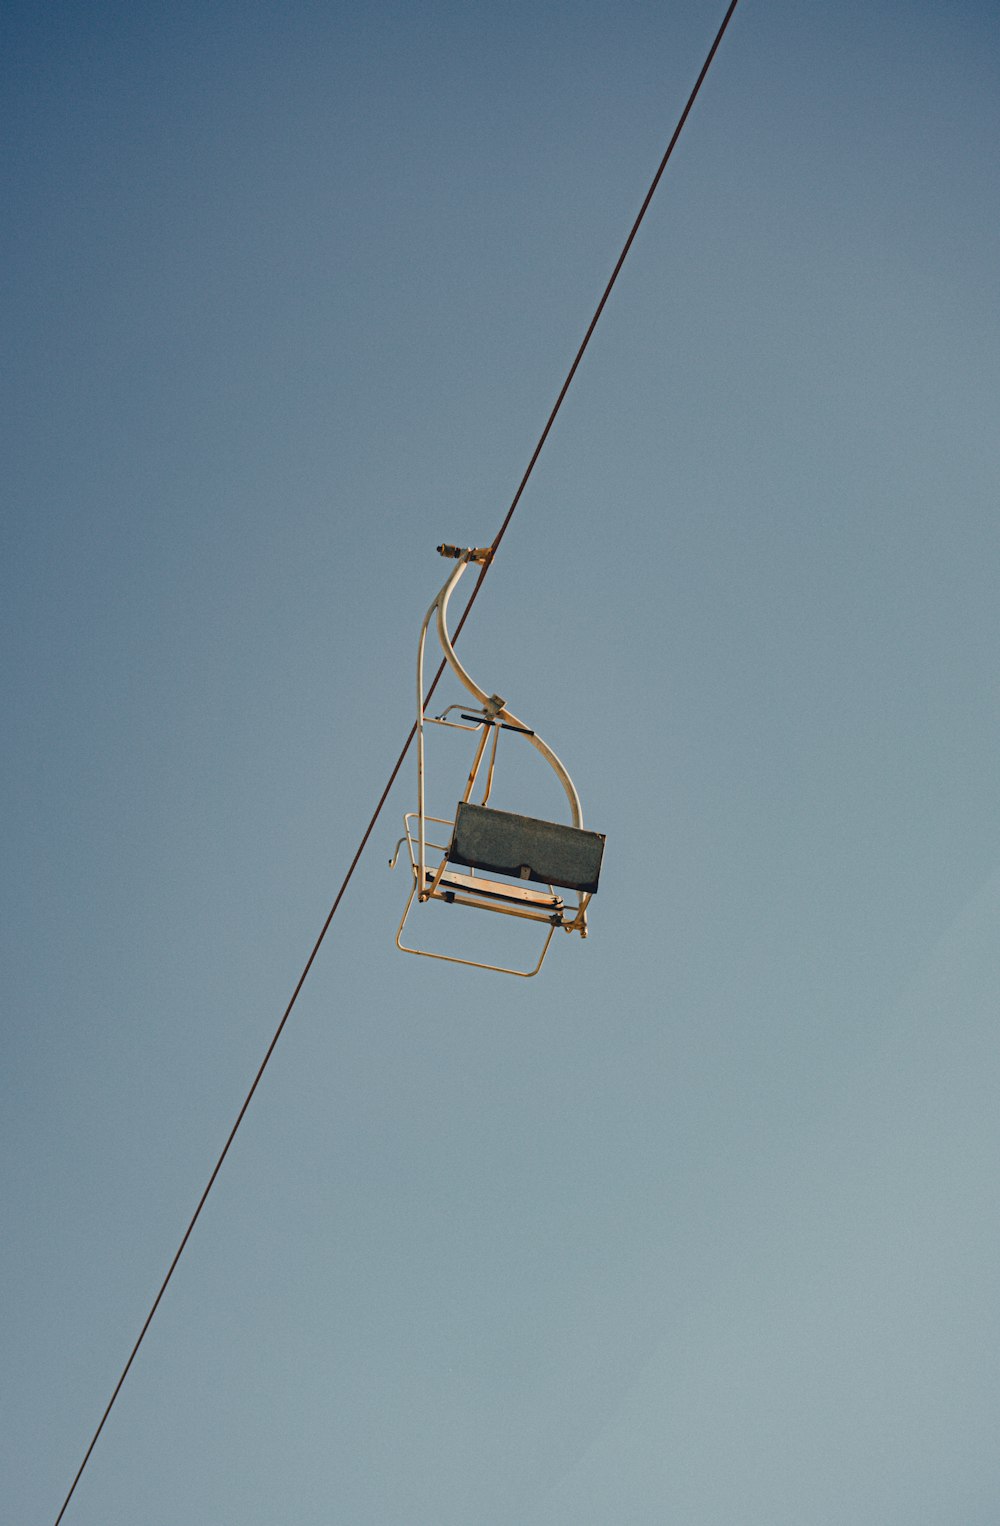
[(481, 554)]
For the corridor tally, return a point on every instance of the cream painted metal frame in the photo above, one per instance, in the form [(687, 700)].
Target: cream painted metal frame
[(439, 881)]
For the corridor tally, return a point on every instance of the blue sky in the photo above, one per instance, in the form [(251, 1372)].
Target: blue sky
[(701, 1225)]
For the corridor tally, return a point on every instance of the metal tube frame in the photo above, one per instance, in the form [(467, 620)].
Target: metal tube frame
[(427, 883)]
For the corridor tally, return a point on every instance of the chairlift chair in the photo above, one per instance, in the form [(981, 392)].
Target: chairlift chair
[(481, 841)]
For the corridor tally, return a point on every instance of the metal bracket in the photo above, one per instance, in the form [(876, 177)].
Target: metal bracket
[(481, 554)]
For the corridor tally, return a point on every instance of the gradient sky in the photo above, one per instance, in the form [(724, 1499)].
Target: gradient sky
[(701, 1226)]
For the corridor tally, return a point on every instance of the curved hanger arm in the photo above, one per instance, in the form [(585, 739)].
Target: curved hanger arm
[(441, 605)]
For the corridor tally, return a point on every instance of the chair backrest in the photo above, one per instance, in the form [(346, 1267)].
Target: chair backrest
[(545, 851)]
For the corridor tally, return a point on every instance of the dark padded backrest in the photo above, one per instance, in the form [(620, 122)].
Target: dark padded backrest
[(545, 851)]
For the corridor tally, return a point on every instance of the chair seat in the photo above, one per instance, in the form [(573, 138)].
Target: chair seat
[(521, 894)]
